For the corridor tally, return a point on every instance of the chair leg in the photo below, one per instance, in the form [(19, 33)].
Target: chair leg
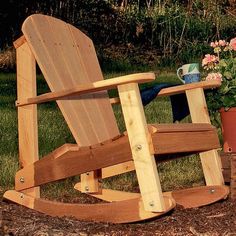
[(141, 147), (27, 115), (210, 160)]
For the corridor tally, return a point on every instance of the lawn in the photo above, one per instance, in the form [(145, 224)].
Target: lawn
[(53, 132)]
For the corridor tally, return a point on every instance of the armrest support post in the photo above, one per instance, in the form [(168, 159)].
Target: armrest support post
[(210, 160), (141, 147)]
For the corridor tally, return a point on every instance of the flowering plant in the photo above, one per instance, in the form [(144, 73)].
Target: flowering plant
[(221, 66)]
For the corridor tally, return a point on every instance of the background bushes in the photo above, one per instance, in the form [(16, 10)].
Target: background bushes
[(132, 32)]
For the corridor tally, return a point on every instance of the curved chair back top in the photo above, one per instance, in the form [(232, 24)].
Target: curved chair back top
[(67, 58)]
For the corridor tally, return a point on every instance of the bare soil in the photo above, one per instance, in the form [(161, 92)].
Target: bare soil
[(216, 219)]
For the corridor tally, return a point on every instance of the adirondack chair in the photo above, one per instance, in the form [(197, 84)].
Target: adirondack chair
[(68, 61)]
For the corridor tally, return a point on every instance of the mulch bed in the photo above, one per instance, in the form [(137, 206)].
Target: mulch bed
[(216, 219)]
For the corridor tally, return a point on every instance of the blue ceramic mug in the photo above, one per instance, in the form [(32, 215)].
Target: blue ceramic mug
[(190, 73)]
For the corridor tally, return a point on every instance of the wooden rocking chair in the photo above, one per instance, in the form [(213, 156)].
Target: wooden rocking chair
[(68, 61)]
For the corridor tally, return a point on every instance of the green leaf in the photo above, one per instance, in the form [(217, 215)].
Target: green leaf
[(223, 63), (226, 101), (228, 75)]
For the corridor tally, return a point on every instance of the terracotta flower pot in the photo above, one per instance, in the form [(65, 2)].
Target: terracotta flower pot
[(228, 125)]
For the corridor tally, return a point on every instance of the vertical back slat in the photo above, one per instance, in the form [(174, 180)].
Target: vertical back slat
[(88, 54), (67, 58)]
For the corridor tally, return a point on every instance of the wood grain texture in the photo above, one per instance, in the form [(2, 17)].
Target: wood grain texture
[(106, 172), (27, 116), (117, 169), (20, 41), (141, 147), (111, 195), (233, 165), (233, 189), (200, 196), (70, 160), (90, 182), (68, 59), (183, 127), (116, 212), (185, 142), (182, 88), (233, 176), (88, 88), (226, 166), (73, 162), (70, 66), (187, 198), (211, 163)]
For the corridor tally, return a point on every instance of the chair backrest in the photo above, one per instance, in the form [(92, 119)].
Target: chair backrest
[(67, 58)]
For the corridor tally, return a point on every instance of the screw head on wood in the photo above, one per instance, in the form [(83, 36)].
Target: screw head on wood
[(212, 190), (22, 196), (151, 204), (138, 147), (22, 180), (86, 188)]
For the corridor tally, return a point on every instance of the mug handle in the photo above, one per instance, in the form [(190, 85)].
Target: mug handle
[(179, 77)]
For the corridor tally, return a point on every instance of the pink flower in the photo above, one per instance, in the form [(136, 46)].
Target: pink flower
[(222, 43), (214, 76), (233, 43), (209, 59), (212, 45)]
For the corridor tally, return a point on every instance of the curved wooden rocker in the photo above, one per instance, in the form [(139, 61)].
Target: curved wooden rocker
[(68, 61), (130, 210), (187, 198)]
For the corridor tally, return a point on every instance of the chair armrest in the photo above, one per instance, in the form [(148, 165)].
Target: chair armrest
[(182, 88), (179, 89), (89, 88)]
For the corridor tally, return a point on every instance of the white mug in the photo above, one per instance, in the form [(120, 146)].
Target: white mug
[(190, 73)]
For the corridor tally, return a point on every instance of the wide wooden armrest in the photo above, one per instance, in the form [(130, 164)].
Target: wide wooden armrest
[(89, 88), (179, 89), (182, 88)]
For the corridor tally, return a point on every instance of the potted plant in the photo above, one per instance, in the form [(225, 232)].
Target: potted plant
[(221, 65)]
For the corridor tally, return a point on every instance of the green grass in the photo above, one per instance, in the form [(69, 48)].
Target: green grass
[(53, 132)]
